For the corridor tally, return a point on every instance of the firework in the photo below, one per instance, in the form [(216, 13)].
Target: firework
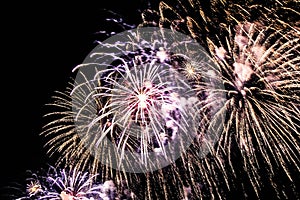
[(258, 56), (130, 105), (133, 106), (61, 184), (71, 184), (138, 107), (67, 146)]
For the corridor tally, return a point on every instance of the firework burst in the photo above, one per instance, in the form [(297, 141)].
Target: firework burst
[(138, 107), (258, 56), (67, 146), (246, 92), (144, 98), (71, 184)]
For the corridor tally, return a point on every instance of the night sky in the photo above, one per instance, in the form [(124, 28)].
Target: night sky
[(41, 43)]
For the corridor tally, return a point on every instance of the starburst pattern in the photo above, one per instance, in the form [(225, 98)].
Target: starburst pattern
[(144, 102), (141, 101)]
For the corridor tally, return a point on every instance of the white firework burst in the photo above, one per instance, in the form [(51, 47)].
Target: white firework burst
[(145, 104)]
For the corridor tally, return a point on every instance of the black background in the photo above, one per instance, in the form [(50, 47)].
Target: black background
[(41, 43)]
